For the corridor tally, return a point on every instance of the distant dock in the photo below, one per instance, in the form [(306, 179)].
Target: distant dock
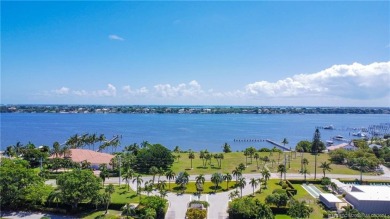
[(278, 145)]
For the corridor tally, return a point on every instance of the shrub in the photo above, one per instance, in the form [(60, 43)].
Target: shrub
[(279, 191), (194, 213), (284, 186)]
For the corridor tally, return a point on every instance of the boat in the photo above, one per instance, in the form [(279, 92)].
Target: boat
[(329, 143), (359, 134), (338, 138), (330, 127)]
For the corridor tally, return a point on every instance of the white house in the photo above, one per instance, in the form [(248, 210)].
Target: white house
[(370, 199), (331, 201)]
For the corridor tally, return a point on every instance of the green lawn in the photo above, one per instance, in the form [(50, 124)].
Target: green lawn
[(111, 214), (208, 187), (123, 196), (232, 160), (301, 195)]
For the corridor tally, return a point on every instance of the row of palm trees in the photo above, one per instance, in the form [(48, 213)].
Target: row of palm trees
[(81, 141)]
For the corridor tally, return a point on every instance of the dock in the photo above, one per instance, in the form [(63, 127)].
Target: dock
[(278, 145)]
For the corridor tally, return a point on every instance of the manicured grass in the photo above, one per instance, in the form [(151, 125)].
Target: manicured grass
[(123, 196), (233, 159), (208, 187), (282, 216), (301, 195), (111, 214)]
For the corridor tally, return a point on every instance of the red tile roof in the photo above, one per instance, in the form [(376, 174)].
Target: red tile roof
[(79, 155)]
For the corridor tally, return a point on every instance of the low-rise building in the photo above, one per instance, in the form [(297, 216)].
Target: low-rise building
[(93, 157), (370, 199), (331, 201)]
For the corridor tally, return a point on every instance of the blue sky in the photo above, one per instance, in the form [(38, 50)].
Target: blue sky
[(225, 53)]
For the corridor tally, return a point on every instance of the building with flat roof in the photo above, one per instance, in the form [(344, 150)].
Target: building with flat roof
[(370, 199), (331, 201)]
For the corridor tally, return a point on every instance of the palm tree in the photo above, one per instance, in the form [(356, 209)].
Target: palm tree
[(228, 178), (191, 156), (246, 154), (138, 179), (325, 167), (304, 163), (281, 170), (237, 173), (200, 179), (256, 156), (234, 194), (148, 187), (284, 142), (241, 184), (362, 163), (109, 191), (170, 175), (261, 180), (56, 149), (160, 172), (266, 175), (153, 170), (128, 175), (217, 179), (304, 172), (161, 185), (253, 182)]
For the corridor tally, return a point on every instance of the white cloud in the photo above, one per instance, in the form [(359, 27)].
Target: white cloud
[(109, 92), (115, 37), (192, 89), (337, 85), (80, 93), (354, 81), (62, 91), (141, 91)]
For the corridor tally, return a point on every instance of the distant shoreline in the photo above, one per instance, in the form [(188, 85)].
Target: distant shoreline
[(196, 109)]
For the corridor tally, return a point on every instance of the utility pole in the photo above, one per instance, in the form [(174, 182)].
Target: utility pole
[(285, 167)]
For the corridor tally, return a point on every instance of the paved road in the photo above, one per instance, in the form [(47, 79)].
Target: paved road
[(219, 202)]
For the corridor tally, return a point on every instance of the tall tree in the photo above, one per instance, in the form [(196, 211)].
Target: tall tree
[(78, 186), (228, 178), (241, 184), (138, 179), (281, 170), (217, 179), (237, 173), (191, 156), (109, 190), (170, 175), (315, 146), (128, 176), (256, 156), (253, 182), (153, 170), (266, 175), (226, 148), (325, 167)]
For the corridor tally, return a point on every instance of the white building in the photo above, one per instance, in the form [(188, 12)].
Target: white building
[(370, 199), (331, 201)]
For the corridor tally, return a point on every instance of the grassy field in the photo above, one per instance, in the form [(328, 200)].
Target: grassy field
[(301, 195), (208, 187), (123, 196), (232, 160), (111, 214)]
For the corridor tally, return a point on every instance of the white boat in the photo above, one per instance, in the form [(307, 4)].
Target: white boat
[(329, 143), (330, 127), (338, 138)]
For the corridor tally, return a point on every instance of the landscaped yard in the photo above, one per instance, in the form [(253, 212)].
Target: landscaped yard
[(111, 214), (233, 159), (301, 195), (123, 196)]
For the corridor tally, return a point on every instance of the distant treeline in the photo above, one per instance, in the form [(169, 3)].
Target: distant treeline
[(190, 109)]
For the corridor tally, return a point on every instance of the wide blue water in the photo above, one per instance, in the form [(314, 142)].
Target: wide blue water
[(189, 131)]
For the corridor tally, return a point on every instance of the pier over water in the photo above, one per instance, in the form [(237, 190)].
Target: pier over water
[(278, 145)]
